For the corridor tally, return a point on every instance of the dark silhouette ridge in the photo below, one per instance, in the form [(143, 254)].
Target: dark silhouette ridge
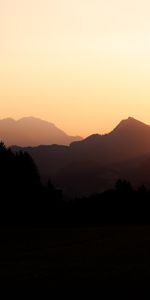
[(129, 139), (31, 131), (125, 129), (25, 201), (95, 163)]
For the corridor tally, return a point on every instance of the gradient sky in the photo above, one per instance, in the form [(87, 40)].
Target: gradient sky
[(81, 64)]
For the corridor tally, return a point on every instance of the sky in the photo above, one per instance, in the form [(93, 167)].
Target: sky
[(81, 64)]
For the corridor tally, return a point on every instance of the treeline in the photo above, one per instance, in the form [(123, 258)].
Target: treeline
[(23, 198), (25, 201), (120, 205)]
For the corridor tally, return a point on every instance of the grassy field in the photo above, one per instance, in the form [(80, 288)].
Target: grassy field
[(75, 257)]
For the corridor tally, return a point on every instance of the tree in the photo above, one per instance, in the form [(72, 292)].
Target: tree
[(123, 187)]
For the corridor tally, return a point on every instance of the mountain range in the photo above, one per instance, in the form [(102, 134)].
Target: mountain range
[(95, 163), (31, 131)]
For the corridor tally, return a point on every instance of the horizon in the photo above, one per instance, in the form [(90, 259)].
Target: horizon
[(83, 137), (82, 65), (78, 135)]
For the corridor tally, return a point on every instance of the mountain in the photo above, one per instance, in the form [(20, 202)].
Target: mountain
[(130, 138), (95, 163), (31, 131)]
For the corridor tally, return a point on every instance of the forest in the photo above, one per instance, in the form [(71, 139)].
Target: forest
[(26, 201)]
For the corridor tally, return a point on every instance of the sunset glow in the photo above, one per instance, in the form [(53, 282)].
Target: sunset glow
[(83, 65)]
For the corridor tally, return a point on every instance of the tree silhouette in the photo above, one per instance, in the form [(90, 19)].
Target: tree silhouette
[(123, 187), (22, 193)]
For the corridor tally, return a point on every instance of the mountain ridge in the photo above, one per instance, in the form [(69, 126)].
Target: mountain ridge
[(31, 131), (96, 162)]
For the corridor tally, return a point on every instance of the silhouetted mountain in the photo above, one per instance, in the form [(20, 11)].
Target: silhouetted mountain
[(130, 138), (31, 131), (95, 163)]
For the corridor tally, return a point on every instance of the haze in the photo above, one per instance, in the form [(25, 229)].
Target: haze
[(83, 65)]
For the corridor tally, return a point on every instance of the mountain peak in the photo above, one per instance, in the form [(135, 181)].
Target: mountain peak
[(129, 124), (131, 119), (31, 119)]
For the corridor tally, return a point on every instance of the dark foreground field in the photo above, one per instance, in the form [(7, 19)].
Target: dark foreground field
[(78, 257)]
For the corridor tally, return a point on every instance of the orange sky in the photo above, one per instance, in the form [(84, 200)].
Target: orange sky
[(83, 65)]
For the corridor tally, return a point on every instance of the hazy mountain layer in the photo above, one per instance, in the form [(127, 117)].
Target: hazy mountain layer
[(32, 132)]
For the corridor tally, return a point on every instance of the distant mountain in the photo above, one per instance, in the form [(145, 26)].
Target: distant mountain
[(131, 138), (96, 162), (31, 131)]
